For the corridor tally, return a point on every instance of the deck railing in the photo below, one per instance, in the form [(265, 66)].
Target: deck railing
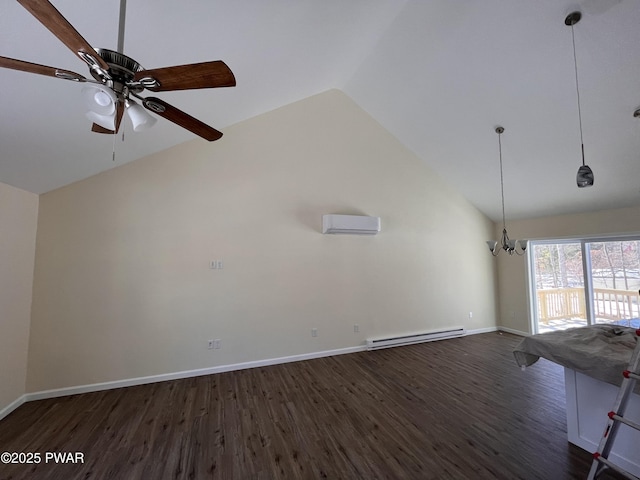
[(608, 304)]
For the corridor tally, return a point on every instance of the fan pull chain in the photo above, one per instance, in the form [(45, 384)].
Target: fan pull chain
[(113, 149)]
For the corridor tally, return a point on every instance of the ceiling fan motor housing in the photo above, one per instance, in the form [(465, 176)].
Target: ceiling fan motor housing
[(122, 69)]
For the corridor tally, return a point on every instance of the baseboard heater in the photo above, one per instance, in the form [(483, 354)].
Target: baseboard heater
[(378, 343)]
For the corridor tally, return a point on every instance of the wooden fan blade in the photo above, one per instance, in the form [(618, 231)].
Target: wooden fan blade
[(51, 18), (181, 118), (186, 77), (98, 129), (14, 64), (119, 113)]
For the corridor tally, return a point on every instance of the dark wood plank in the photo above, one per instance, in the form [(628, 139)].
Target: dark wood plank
[(452, 409)]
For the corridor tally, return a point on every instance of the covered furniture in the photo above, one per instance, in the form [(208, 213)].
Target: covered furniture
[(594, 358)]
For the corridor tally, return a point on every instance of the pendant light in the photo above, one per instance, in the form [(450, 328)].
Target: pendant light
[(584, 178), (510, 246)]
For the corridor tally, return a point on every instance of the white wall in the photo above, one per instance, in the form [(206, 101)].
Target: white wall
[(512, 270), (18, 220), (122, 283)]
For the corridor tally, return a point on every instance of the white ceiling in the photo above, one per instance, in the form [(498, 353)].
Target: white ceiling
[(439, 74)]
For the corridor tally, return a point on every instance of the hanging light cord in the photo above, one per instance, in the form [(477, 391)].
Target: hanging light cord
[(575, 64), (504, 222)]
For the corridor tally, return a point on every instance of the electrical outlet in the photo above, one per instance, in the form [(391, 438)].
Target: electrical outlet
[(210, 344), (470, 314), (217, 343), (314, 332), (356, 328), (216, 264)]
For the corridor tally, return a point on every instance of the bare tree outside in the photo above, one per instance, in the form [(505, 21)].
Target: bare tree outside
[(616, 265), (559, 265)]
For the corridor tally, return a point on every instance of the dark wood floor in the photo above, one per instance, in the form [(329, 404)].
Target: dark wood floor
[(452, 409)]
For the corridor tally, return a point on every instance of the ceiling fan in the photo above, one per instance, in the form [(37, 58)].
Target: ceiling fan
[(118, 79)]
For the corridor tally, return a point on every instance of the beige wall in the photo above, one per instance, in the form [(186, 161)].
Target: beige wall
[(18, 220), (512, 270), (122, 283)]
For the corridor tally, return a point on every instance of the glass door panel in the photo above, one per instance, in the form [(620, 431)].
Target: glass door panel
[(559, 286), (615, 273)]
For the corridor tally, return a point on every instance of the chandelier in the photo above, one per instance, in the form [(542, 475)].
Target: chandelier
[(510, 246)]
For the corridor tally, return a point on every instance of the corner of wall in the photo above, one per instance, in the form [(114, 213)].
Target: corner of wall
[(18, 216)]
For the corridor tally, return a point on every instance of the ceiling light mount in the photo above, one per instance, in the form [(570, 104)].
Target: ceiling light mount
[(572, 19), (510, 246)]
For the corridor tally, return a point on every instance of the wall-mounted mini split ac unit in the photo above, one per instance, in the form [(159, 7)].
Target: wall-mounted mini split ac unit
[(350, 224)]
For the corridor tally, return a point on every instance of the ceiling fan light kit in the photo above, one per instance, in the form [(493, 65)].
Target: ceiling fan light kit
[(117, 78), (140, 119), (99, 99)]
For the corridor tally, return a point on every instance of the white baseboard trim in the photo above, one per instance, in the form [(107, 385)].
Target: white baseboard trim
[(12, 406), (481, 330), (96, 387), (515, 332), (130, 382)]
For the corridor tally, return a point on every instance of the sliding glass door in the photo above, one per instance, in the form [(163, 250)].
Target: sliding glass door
[(581, 282)]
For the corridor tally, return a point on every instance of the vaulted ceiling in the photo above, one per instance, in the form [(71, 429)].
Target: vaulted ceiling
[(439, 74)]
